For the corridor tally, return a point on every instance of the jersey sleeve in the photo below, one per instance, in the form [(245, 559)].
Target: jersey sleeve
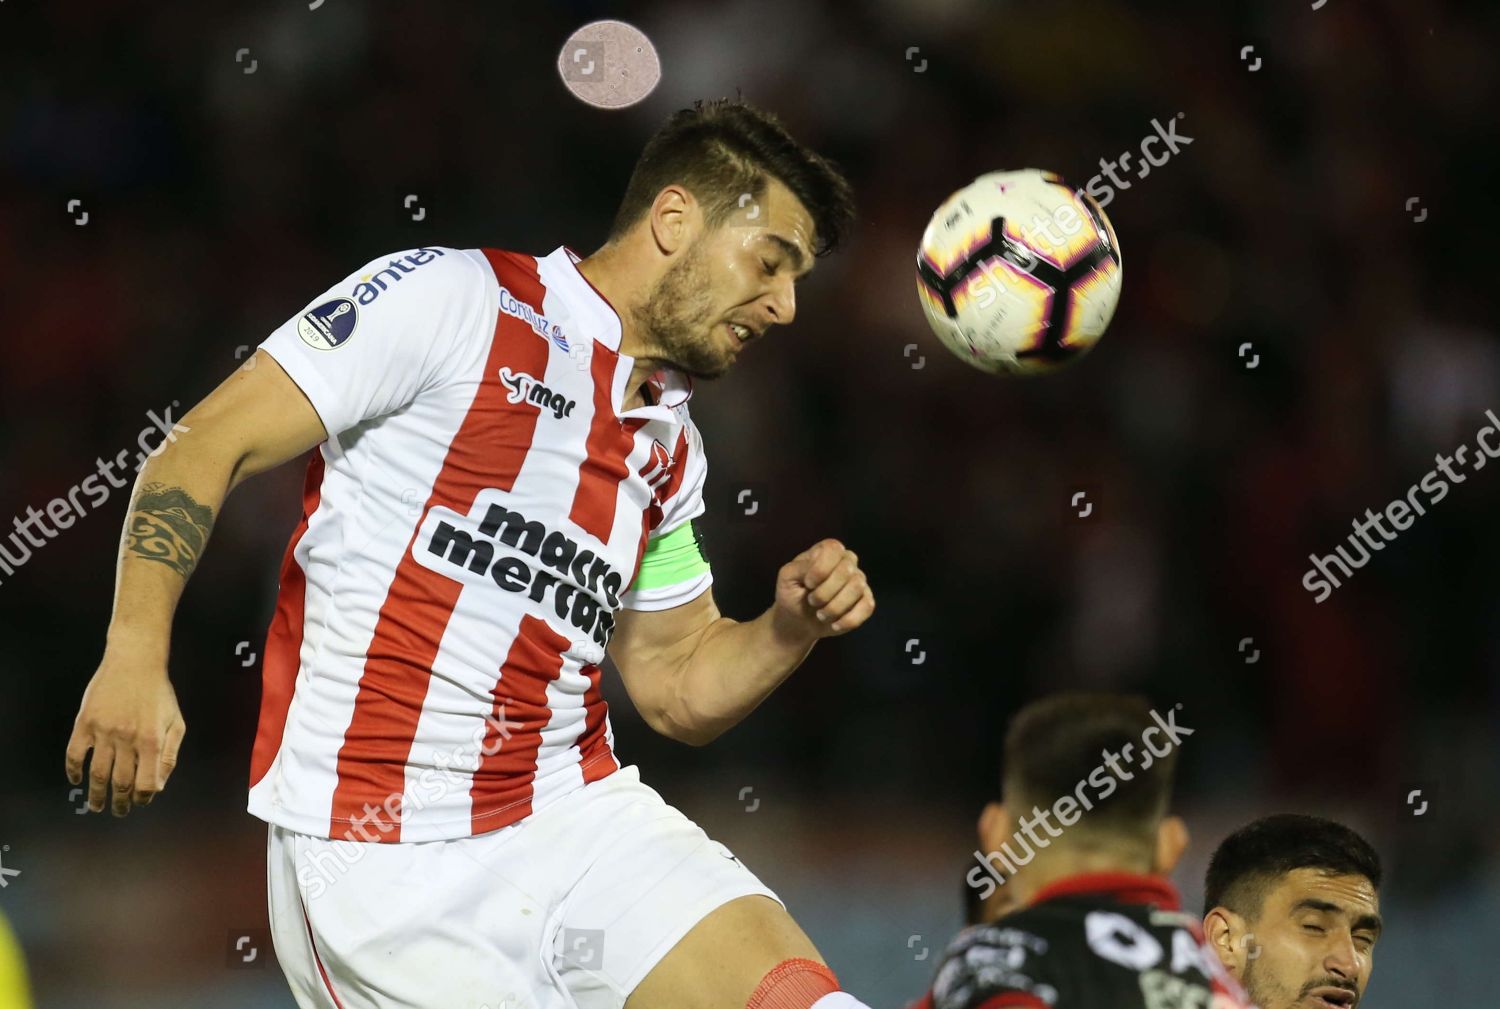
[(369, 344), (674, 568)]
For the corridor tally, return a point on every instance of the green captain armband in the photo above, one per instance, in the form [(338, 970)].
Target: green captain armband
[(671, 560)]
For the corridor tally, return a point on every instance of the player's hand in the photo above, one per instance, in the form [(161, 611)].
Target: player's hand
[(822, 592), (130, 719)]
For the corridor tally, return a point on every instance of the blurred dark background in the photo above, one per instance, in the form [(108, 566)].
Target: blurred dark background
[(1332, 211)]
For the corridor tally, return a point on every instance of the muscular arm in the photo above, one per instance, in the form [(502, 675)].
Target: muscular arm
[(693, 673), (256, 419)]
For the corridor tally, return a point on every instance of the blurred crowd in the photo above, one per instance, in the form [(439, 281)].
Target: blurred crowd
[(1304, 326)]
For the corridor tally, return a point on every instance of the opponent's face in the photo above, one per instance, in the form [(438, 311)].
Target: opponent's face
[(739, 274), (1313, 945)]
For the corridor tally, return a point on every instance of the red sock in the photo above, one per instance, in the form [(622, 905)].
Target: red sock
[(793, 984)]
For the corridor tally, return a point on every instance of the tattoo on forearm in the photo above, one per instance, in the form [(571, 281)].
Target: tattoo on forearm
[(167, 525)]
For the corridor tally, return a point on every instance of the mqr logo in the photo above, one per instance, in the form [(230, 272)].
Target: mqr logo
[(526, 389), (511, 305)]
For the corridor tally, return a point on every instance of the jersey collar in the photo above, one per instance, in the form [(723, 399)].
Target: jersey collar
[(596, 319), (1125, 887)]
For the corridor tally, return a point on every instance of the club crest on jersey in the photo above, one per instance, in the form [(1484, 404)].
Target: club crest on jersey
[(511, 305), (526, 389), (658, 468), (329, 325)]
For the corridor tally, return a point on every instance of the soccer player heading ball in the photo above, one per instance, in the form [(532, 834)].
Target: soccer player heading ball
[(504, 489)]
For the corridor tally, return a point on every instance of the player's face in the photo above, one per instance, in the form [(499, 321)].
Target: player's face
[(1314, 943), (742, 272)]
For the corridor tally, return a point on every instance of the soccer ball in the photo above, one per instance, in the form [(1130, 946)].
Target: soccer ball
[(1017, 273)]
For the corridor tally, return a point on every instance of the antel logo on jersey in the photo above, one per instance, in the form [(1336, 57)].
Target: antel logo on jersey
[(372, 285), (525, 389), (511, 305), (329, 325), (585, 589)]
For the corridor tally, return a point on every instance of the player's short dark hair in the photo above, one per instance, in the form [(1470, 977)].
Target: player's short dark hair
[(1055, 745), (1251, 860), (722, 148)]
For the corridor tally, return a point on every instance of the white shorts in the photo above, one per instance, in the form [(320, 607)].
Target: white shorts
[(568, 909)]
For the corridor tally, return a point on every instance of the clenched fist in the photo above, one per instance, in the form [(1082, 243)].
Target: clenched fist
[(822, 592)]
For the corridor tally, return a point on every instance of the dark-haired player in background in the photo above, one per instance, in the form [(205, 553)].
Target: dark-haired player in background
[(1294, 911), (504, 487), (1095, 924)]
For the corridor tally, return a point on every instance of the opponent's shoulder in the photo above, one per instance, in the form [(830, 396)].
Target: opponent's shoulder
[(1009, 956), (1061, 950)]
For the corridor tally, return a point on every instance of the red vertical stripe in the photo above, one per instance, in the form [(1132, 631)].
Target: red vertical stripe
[(312, 944), (284, 639), (502, 789), (487, 451), (609, 443), (640, 551), (594, 754)]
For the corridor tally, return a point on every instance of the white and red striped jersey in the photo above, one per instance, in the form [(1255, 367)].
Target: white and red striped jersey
[(472, 524)]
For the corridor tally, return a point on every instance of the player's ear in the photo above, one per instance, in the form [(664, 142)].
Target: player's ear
[(994, 826), (1171, 842), (1221, 929), (672, 219)]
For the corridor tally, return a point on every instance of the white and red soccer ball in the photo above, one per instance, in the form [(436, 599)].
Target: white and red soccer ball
[(1017, 273)]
